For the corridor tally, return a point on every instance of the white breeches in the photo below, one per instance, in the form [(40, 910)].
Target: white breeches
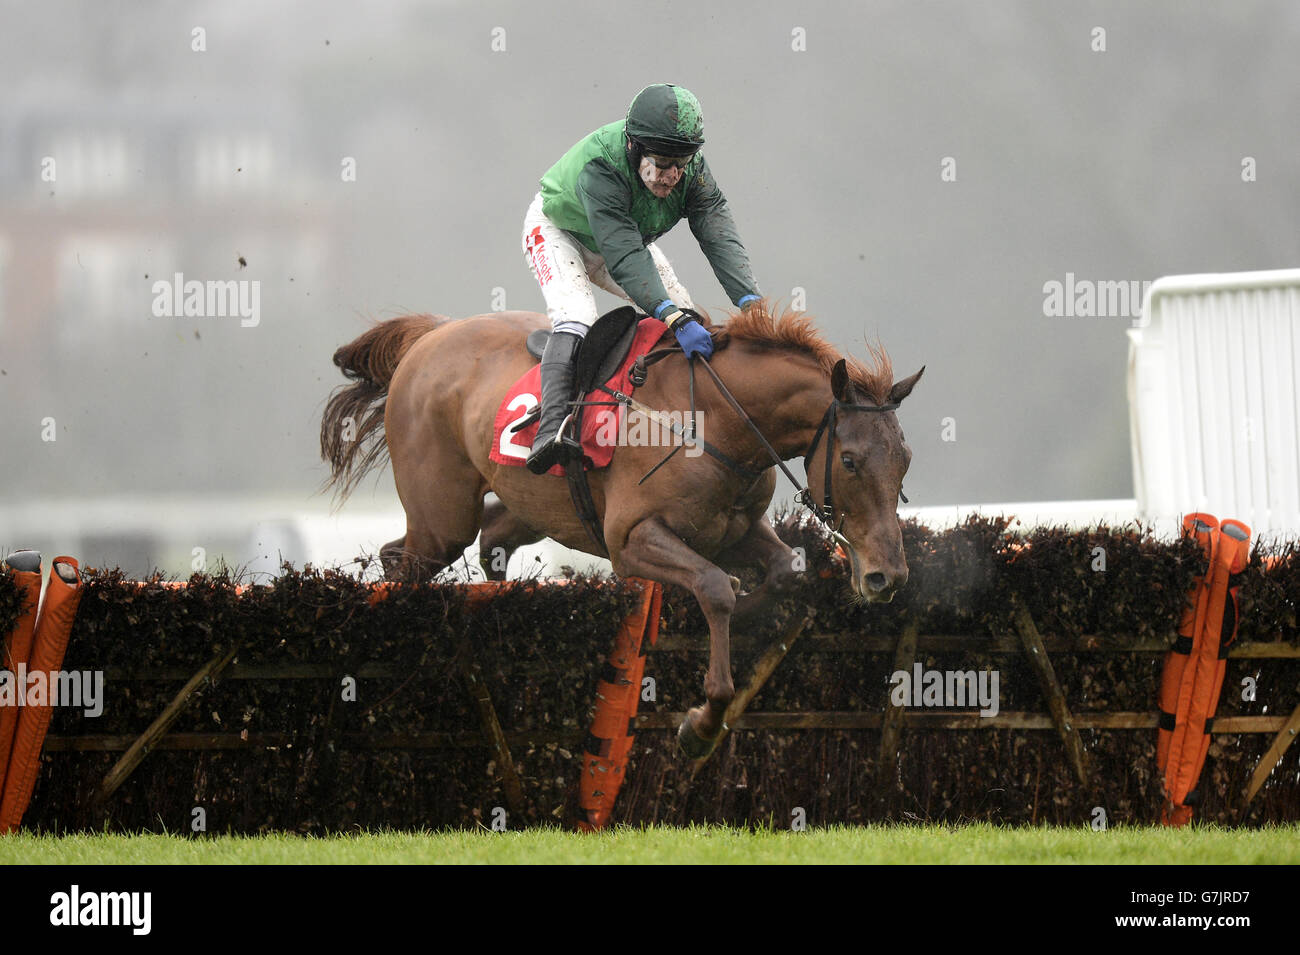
[(566, 270)]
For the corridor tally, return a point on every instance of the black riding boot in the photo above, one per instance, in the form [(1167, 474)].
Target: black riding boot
[(557, 383)]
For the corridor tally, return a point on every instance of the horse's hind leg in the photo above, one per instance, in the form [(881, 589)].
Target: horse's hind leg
[(444, 505), (390, 555), (762, 546), (434, 541), (502, 535)]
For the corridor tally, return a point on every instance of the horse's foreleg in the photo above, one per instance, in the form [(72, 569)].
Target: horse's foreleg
[(656, 553)]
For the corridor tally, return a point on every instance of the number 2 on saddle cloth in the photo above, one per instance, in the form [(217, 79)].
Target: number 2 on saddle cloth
[(608, 355)]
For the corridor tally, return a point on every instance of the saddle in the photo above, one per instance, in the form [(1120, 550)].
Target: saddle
[(600, 355), (603, 362)]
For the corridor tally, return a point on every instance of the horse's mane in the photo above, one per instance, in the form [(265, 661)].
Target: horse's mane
[(795, 331)]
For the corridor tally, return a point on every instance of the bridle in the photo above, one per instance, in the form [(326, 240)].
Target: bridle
[(825, 512)]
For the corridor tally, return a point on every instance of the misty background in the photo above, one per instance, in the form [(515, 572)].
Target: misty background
[(827, 126)]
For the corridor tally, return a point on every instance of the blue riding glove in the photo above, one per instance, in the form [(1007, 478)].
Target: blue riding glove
[(691, 335)]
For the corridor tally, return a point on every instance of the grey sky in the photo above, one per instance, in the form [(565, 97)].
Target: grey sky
[(1117, 165)]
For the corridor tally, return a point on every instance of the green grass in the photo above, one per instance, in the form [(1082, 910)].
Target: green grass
[(697, 844)]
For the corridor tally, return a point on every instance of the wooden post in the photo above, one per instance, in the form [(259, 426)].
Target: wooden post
[(496, 737), (1268, 762), (763, 670), (1037, 653), (146, 740), (892, 721)]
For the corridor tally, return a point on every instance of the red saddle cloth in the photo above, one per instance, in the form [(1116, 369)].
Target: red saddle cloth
[(597, 422)]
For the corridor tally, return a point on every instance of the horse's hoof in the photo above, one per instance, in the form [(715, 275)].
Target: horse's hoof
[(692, 744)]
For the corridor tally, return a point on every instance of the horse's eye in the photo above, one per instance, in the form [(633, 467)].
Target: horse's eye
[(848, 463)]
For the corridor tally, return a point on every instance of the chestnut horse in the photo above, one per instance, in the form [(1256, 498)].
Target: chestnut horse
[(426, 390)]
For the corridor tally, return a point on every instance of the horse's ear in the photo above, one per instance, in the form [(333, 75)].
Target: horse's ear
[(904, 388), (840, 381)]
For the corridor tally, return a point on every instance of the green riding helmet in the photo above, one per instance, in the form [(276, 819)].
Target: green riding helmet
[(666, 120)]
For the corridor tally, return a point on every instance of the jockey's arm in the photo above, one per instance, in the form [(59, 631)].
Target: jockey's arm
[(607, 199), (715, 230)]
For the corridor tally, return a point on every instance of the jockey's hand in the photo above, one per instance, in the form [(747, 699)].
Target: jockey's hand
[(691, 333)]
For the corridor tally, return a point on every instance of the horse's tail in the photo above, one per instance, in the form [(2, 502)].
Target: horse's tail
[(352, 439)]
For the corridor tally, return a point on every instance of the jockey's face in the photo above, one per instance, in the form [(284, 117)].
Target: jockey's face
[(661, 173)]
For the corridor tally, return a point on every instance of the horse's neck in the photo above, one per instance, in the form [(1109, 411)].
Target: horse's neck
[(785, 395)]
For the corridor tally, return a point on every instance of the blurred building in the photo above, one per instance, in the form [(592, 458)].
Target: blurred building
[(99, 199)]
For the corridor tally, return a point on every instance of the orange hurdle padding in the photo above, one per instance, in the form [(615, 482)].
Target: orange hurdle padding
[(1199, 695), (1202, 527), (1223, 616), (1194, 670), (618, 693), (49, 644), (25, 565)]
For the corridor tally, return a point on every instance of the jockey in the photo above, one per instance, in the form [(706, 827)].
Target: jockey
[(596, 219)]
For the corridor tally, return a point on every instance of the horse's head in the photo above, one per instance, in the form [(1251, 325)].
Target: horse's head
[(868, 457)]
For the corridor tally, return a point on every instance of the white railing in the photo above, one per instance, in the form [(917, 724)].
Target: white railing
[(1214, 399)]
